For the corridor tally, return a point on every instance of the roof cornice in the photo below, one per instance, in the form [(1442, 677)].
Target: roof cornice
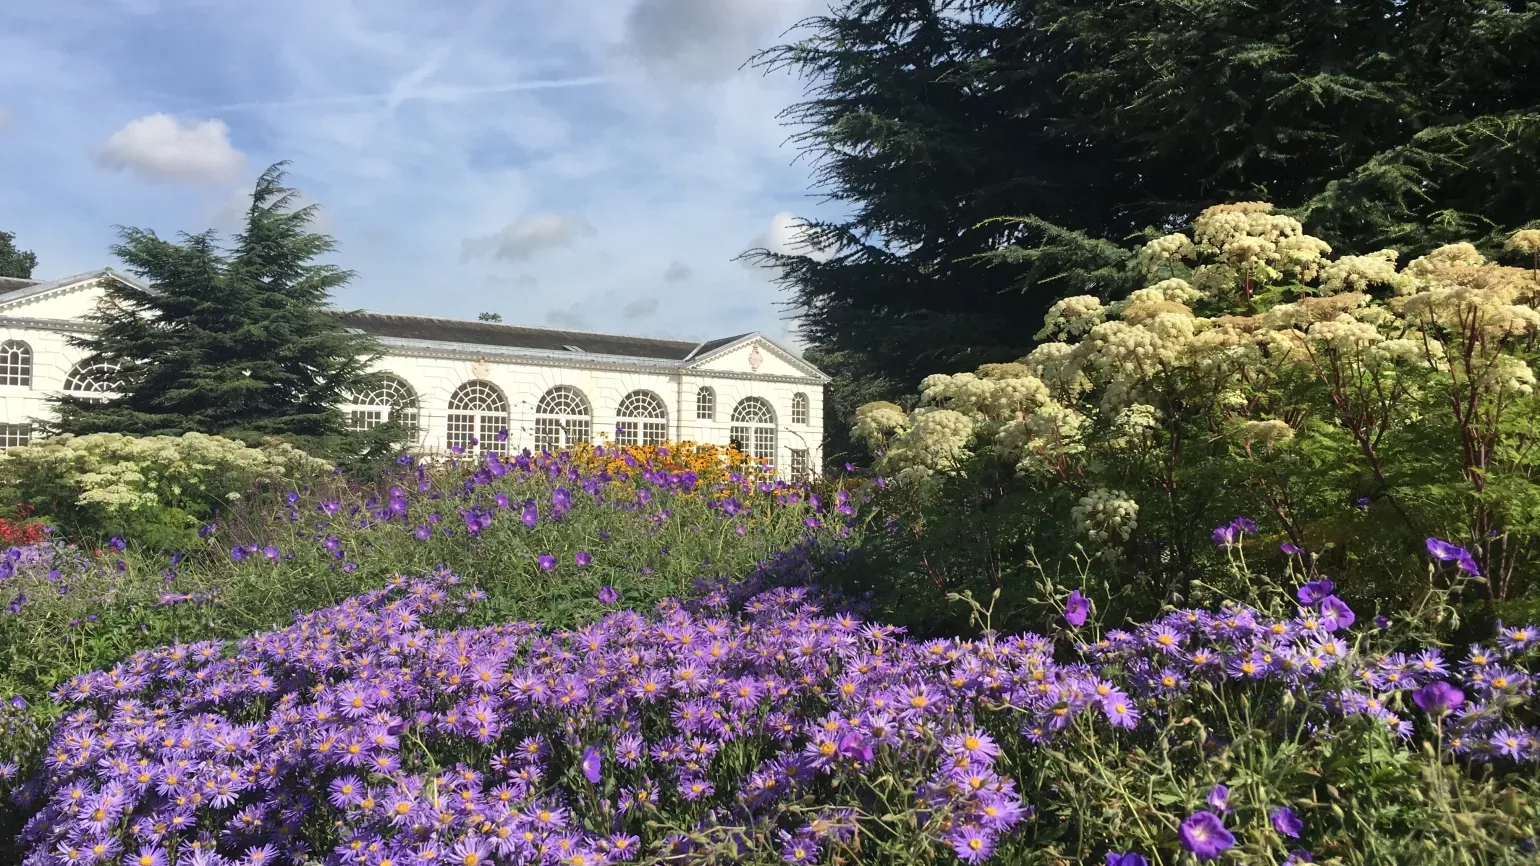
[(455, 352), (784, 353)]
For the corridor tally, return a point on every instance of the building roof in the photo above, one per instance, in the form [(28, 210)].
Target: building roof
[(517, 336)]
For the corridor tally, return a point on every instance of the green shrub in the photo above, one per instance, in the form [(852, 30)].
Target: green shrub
[(156, 489)]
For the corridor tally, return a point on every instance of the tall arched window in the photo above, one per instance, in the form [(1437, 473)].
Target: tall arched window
[(799, 412), (754, 429), (706, 404), (643, 419), (390, 399), (93, 382), (563, 418), (478, 409), (15, 363)]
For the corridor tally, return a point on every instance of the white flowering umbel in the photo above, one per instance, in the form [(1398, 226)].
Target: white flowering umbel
[(1248, 337), (1107, 518), (115, 471)]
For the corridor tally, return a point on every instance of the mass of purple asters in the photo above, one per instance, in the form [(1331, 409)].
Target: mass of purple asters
[(715, 727), (685, 733)]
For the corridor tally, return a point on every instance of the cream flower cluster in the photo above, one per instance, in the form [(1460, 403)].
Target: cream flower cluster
[(1107, 518), (1109, 373), (129, 472)]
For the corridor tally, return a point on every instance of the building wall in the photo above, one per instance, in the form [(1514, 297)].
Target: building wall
[(434, 376)]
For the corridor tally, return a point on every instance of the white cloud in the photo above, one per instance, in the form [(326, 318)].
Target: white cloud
[(788, 235), (677, 272), (641, 308), (523, 238), (166, 148)]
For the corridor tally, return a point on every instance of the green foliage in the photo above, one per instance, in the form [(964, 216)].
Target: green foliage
[(1379, 122), (156, 490), (237, 344), (15, 262)]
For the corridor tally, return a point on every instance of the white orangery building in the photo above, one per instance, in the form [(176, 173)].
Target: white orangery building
[(452, 379)]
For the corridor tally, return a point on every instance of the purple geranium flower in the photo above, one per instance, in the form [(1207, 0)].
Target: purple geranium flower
[(547, 562), (608, 595), (1127, 859), (1311, 593), (582, 559), (1205, 835), (1291, 550), (1285, 821), (1335, 614), (1219, 799), (1438, 698), (591, 765), (1076, 609)]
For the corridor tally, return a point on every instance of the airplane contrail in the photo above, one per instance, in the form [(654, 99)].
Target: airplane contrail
[(444, 93)]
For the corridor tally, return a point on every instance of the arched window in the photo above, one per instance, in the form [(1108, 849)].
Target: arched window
[(478, 409), (15, 363), (93, 382), (706, 404), (754, 429), (643, 419), (390, 399), (562, 419), (799, 408)]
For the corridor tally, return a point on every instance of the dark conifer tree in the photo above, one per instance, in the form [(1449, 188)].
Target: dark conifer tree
[(1378, 122), (239, 342)]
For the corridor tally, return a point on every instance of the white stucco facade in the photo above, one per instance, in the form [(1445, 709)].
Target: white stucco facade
[(457, 387)]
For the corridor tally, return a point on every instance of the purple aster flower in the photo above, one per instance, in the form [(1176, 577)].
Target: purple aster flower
[(591, 765), (1128, 859), (608, 595), (1511, 743), (547, 562), (972, 844), (1285, 821), (582, 559), (1205, 835), (1517, 640), (1076, 609), (1311, 593), (1438, 698)]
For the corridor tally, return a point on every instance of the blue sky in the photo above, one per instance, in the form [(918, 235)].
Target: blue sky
[(580, 163)]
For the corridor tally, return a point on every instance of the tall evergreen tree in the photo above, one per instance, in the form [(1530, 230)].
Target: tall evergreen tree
[(236, 342), (1405, 123), (15, 262)]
